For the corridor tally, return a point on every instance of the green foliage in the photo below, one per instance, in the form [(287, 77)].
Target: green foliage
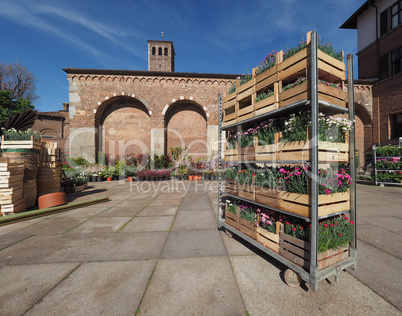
[(232, 206), (232, 88), (389, 150), (80, 161), (8, 106), (264, 95), (267, 178), (230, 173), (13, 134), (245, 176), (247, 213), (244, 78)]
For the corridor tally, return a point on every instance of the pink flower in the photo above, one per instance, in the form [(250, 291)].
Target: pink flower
[(327, 191)]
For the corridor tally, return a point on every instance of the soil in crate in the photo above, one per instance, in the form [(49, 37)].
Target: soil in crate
[(299, 252)]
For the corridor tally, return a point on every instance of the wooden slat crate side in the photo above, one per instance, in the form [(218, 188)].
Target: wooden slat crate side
[(268, 239), (229, 116), (298, 69), (249, 84), (227, 123), (332, 256), (245, 117), (271, 72), (295, 98), (269, 197), (296, 58), (231, 158), (303, 253), (331, 60), (248, 228), (290, 93), (245, 110), (266, 109), (229, 97), (229, 104), (232, 220), (324, 67), (266, 102)]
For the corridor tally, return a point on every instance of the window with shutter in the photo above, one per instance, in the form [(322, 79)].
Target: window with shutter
[(384, 22), (384, 62)]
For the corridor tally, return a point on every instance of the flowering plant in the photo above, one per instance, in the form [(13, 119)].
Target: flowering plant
[(266, 132), (264, 95), (293, 50), (230, 173), (232, 140), (393, 163), (245, 176), (389, 150), (244, 78), (231, 206), (232, 87), (13, 134), (247, 213), (333, 233), (266, 63), (267, 178), (299, 81), (330, 180), (245, 139)]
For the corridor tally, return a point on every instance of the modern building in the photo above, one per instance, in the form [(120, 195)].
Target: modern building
[(379, 51)]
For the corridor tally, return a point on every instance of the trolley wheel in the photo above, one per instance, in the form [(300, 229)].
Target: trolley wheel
[(292, 278), (228, 233)]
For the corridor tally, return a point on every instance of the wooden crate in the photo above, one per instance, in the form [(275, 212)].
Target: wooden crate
[(10, 195), (245, 191), (230, 154), (232, 219), (299, 252), (229, 110), (248, 153), (20, 144), (30, 192), (231, 186), (267, 152), (248, 228), (267, 196), (245, 111), (14, 208), (267, 78), (268, 239), (267, 105), (302, 92), (245, 90), (327, 204)]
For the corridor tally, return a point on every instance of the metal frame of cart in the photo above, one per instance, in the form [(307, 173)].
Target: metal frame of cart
[(313, 276)]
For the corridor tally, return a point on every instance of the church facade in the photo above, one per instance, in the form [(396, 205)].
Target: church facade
[(123, 112)]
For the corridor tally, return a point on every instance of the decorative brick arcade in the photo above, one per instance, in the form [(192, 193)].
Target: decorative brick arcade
[(129, 111)]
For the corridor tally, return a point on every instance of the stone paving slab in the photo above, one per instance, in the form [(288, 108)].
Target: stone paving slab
[(264, 293), (8, 240), (384, 278), (99, 288), (196, 201), (165, 203), (149, 224), (54, 225), (124, 211), (200, 219), (84, 247), (236, 246), (6, 229), (390, 223), (24, 285), (195, 243), (380, 238), (193, 286), (158, 211), (101, 225), (85, 212)]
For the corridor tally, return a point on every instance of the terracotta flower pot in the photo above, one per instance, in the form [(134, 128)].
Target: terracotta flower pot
[(109, 179), (130, 179), (191, 177), (52, 199)]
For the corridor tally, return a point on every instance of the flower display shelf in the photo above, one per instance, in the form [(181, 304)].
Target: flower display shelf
[(231, 186), (229, 109), (298, 251), (394, 175), (301, 257), (231, 154)]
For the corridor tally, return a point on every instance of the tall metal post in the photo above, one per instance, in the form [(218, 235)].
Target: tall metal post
[(219, 158), (352, 154), (314, 161)]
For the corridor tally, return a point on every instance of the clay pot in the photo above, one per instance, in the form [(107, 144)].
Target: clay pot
[(109, 179), (52, 199), (191, 178), (130, 179)]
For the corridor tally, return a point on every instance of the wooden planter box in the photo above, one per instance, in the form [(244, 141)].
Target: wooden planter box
[(329, 68), (245, 191), (302, 92), (232, 219), (269, 197), (248, 153), (230, 154), (298, 251), (246, 112), (267, 152), (267, 78), (248, 228), (245, 90), (268, 239), (300, 150), (229, 110), (20, 144), (231, 186), (267, 105), (327, 204)]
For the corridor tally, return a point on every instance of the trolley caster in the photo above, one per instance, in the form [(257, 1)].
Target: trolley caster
[(228, 233), (292, 278)]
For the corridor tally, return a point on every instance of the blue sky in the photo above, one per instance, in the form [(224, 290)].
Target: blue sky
[(208, 36)]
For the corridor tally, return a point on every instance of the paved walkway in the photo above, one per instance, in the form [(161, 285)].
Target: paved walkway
[(157, 251)]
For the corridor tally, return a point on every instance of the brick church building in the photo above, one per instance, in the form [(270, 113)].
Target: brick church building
[(122, 112)]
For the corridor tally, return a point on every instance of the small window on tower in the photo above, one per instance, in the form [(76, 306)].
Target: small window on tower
[(153, 50), (160, 51), (166, 51)]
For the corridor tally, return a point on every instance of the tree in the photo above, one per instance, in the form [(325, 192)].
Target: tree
[(19, 81), (8, 106)]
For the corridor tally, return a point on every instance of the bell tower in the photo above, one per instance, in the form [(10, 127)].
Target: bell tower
[(161, 56)]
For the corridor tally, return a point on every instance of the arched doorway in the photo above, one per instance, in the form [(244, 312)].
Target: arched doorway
[(186, 126), (123, 126)]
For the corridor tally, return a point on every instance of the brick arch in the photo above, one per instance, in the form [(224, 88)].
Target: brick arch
[(185, 125), (123, 125), (49, 133), (190, 100)]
